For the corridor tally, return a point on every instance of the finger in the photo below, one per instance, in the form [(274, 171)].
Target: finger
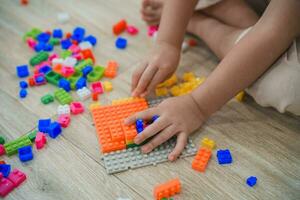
[(145, 115), (160, 124), (180, 144), (137, 75), (166, 134), (145, 79), (158, 78)]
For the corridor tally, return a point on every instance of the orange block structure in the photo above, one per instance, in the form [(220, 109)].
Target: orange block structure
[(119, 27), (201, 159), (167, 189), (111, 69), (109, 123)]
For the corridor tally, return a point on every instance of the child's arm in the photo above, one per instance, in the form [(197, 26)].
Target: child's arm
[(164, 57)]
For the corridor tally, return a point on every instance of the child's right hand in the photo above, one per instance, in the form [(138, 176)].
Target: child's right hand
[(159, 65)]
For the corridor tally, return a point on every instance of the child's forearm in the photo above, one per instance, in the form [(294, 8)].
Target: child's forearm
[(175, 17), (249, 58)]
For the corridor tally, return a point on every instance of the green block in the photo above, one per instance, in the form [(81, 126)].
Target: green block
[(66, 53), (131, 145), (46, 99), (38, 58), (33, 33), (96, 74), (32, 135), (2, 140), (74, 78), (13, 146), (62, 96), (54, 41), (53, 77), (84, 63)]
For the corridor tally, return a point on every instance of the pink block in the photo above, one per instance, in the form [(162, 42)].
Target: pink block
[(152, 30), (2, 150), (6, 186), (97, 88), (40, 140), (64, 120), (52, 56), (78, 56), (132, 30), (67, 71), (74, 48), (31, 43), (76, 108), (17, 177)]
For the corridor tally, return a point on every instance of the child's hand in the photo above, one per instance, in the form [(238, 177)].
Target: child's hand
[(157, 67), (177, 116)]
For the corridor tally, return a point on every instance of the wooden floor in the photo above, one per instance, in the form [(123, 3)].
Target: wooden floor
[(263, 142)]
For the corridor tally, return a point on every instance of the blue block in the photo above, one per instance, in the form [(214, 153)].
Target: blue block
[(43, 37), (44, 125), (40, 46), (40, 79), (57, 33), (224, 156), (121, 43), (139, 125), (251, 181), (78, 34), (5, 169), (154, 118), (65, 84), (22, 71), (87, 70), (54, 130), (48, 47), (91, 39), (45, 69), (25, 153), (80, 83), (22, 93), (65, 44), (23, 84)]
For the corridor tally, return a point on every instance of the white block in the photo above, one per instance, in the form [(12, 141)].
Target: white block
[(70, 62), (63, 17), (83, 93), (85, 45), (63, 109)]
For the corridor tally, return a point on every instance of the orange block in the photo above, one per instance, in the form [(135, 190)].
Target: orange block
[(111, 69), (57, 68), (201, 159), (119, 27), (167, 189), (87, 53), (68, 35), (95, 96), (31, 81)]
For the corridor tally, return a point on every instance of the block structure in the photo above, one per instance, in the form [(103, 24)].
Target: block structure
[(224, 156), (201, 159), (167, 189), (13, 146), (62, 96)]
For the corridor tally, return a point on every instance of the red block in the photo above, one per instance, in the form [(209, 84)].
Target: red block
[(6, 186), (119, 27), (40, 140), (97, 87), (2, 150), (87, 53), (95, 96), (17, 177)]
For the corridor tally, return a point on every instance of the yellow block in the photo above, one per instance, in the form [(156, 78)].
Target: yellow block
[(208, 143), (240, 96), (189, 76), (107, 86), (161, 91), (94, 105), (169, 82)]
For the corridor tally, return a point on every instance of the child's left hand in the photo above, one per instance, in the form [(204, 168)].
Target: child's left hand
[(177, 116)]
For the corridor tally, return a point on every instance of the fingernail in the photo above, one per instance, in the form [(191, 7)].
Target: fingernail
[(171, 157), (146, 149)]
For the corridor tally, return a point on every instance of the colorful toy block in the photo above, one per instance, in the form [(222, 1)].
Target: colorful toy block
[(23, 93), (53, 77), (240, 96), (152, 30), (86, 70), (97, 87), (13, 146), (17, 177), (95, 96), (76, 108), (25, 153), (2, 140), (91, 39), (6, 186), (39, 79), (65, 84), (44, 69), (32, 33), (43, 125), (64, 120), (70, 61), (54, 130), (167, 189), (74, 78), (96, 74), (67, 71), (83, 93), (66, 53), (65, 44), (83, 64), (111, 69), (80, 83), (161, 91), (5, 169), (85, 45), (188, 76), (32, 134), (119, 27), (154, 118), (38, 58), (132, 30), (87, 53), (63, 109), (224, 156), (208, 143), (2, 150), (46, 99), (107, 86), (54, 41), (40, 140), (201, 159), (251, 181), (43, 37), (62, 96), (63, 17), (169, 82), (22, 71), (78, 34), (23, 84), (121, 43), (57, 33), (139, 125)]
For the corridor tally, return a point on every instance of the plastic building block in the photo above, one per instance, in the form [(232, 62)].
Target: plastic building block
[(161, 91), (66, 53), (33, 33), (38, 58), (5, 169), (23, 84), (65, 84), (111, 69), (54, 130), (65, 44), (80, 83), (169, 82), (83, 93), (31, 42), (87, 70), (57, 33), (44, 69), (39, 79), (224, 156), (119, 27), (23, 93), (189, 76), (6, 186), (251, 181), (63, 17), (53, 77), (31, 135), (74, 78), (62, 96), (87, 53), (85, 45), (167, 189), (94, 105), (48, 47), (13, 146), (154, 118), (54, 41), (22, 71), (139, 125), (240, 96), (121, 43), (31, 81), (63, 109), (70, 61), (67, 71), (132, 30), (76, 108), (95, 96), (25, 153), (40, 140), (2, 150), (152, 30), (2, 140), (64, 120), (83, 64), (208, 143), (43, 125), (96, 74), (118, 161), (78, 34), (40, 46), (201, 159), (91, 39), (97, 87), (43, 37), (46, 99), (107, 86), (17, 177)]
